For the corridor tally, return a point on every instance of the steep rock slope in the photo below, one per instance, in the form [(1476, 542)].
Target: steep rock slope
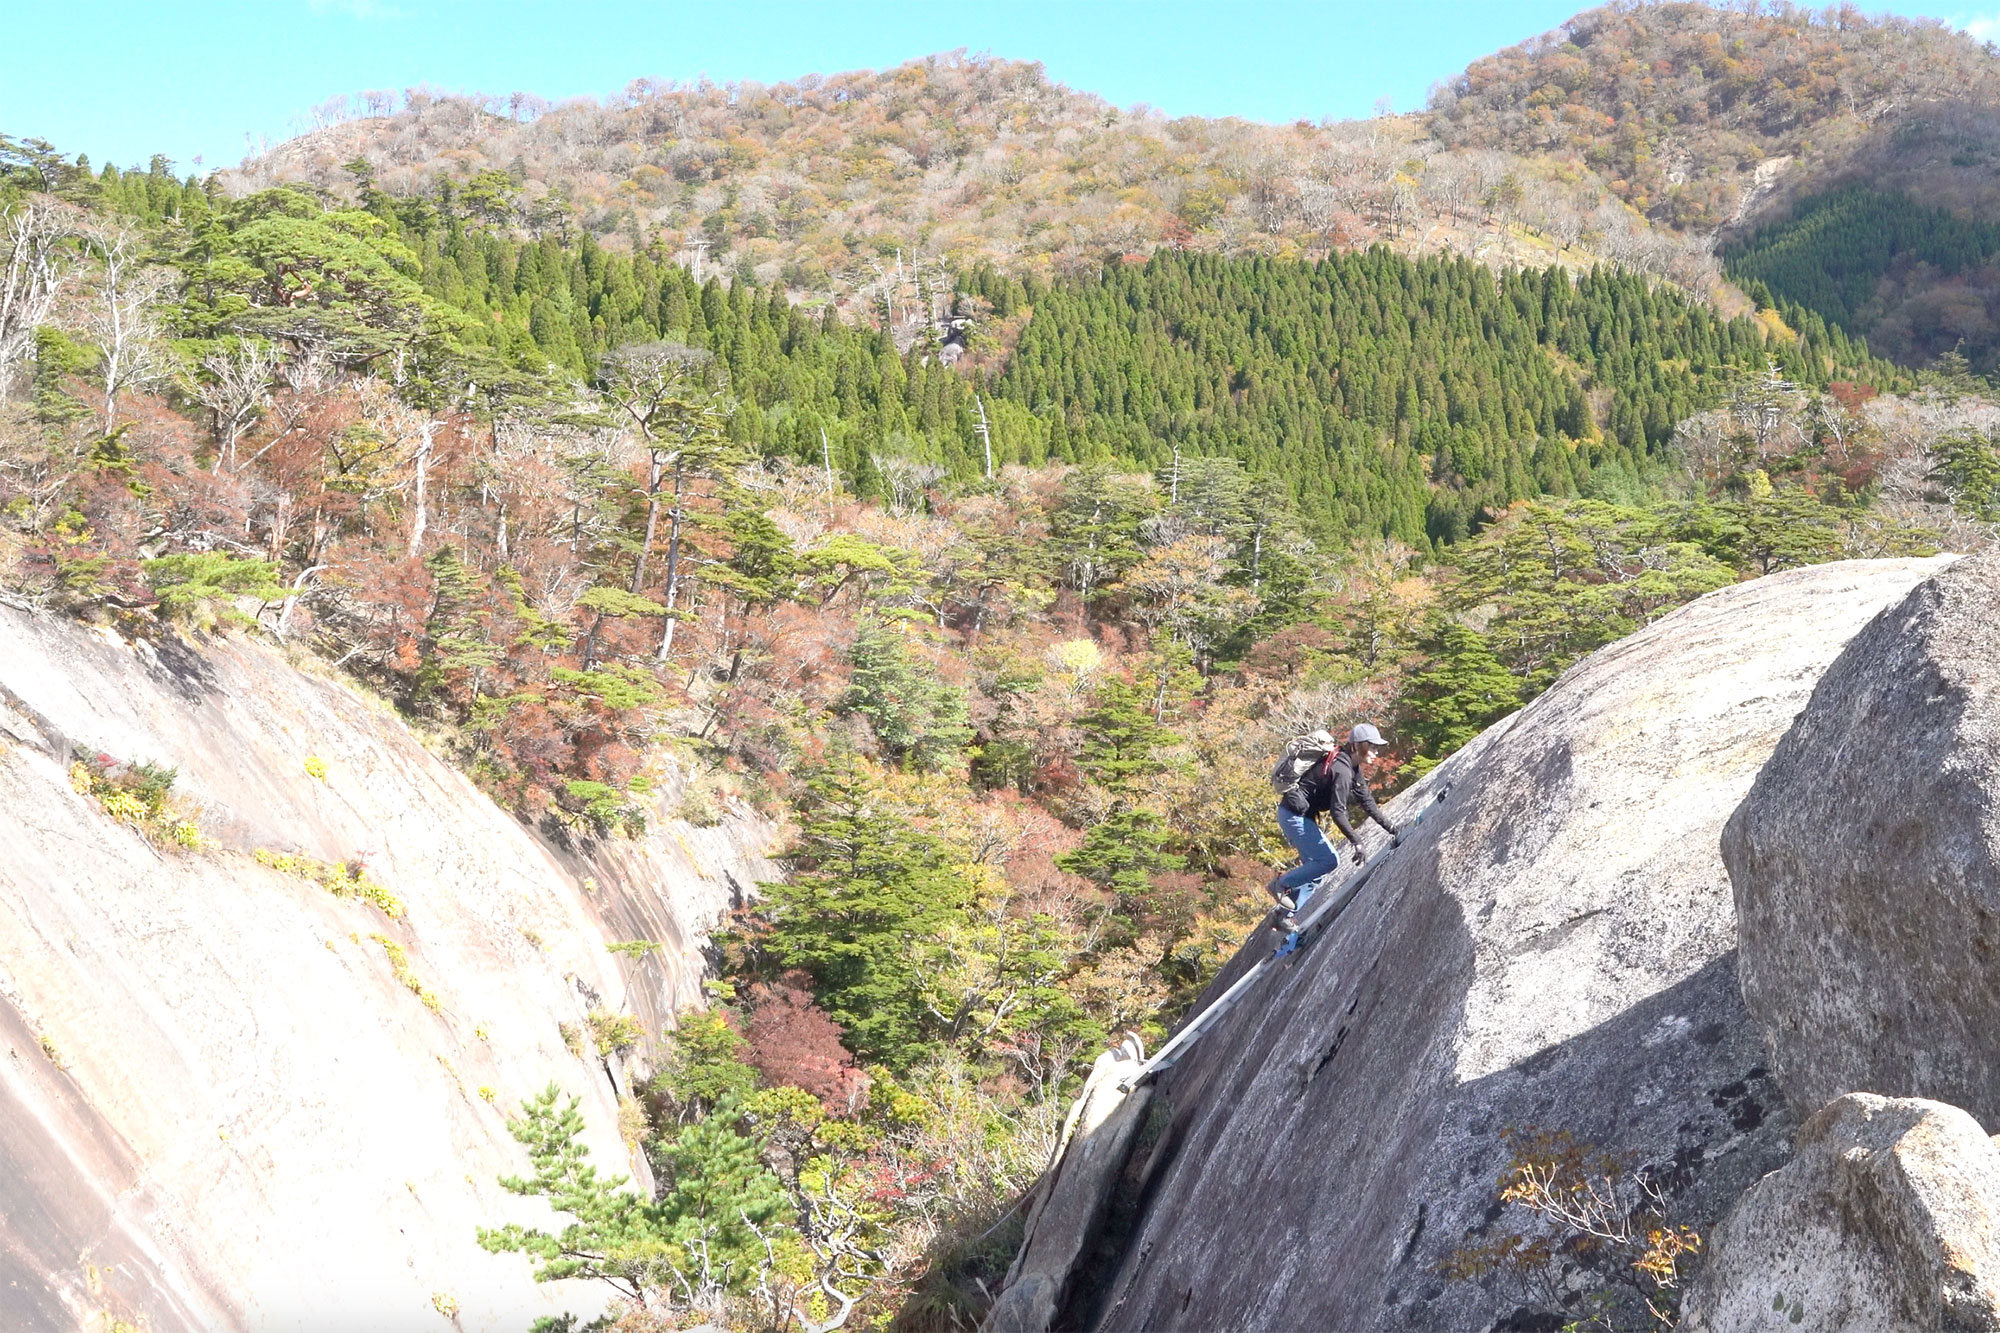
[(220, 1107), (1866, 862), (1553, 949)]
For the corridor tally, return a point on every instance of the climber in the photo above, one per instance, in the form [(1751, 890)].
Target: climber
[(1328, 784)]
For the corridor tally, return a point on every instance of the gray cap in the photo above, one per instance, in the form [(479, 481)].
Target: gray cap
[(1365, 734)]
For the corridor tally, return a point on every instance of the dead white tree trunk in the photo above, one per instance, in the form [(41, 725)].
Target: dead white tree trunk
[(31, 237), (292, 599), (675, 519), (420, 486), (122, 320), (985, 435)]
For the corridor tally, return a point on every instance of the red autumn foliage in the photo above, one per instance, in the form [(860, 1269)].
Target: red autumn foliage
[(793, 1043), (1286, 654)]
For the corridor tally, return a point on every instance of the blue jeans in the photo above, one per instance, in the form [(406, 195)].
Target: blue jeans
[(1316, 854)]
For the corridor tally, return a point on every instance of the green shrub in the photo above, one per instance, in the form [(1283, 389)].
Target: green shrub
[(634, 949), (140, 795), (614, 1032), (603, 807), (202, 587), (399, 963), (342, 881)]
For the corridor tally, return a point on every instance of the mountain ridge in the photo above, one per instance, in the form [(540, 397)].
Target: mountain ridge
[(820, 182), (1650, 135)]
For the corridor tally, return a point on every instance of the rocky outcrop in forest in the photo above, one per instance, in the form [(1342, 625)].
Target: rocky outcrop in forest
[(1543, 976), (259, 1050)]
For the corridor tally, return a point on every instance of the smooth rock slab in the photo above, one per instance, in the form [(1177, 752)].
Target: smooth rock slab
[(1071, 1197), (220, 1108), (1553, 949), (1886, 1221)]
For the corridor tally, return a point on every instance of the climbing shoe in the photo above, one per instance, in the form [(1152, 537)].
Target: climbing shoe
[(1279, 896)]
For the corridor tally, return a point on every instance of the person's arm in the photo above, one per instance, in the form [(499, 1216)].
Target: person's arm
[(1368, 802), (1341, 779)]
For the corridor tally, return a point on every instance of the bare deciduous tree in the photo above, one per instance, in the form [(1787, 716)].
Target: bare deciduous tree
[(31, 246), (122, 320), (1320, 203), (236, 389), (671, 396), (1449, 183), (908, 478)]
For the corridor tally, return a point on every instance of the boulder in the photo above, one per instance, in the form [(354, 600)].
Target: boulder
[(1552, 950), (1866, 862), (1887, 1220)]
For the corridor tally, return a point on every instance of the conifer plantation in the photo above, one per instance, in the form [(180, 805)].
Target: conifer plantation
[(1005, 618), (1917, 278)]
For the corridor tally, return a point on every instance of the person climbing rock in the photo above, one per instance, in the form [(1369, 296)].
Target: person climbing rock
[(1317, 773)]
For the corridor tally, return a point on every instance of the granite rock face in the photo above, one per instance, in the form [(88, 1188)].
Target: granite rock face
[(1887, 1220), (1553, 948), (1069, 1202), (220, 1108), (1866, 862)]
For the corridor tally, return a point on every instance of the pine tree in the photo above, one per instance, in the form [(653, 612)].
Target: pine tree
[(700, 1235), (1123, 851), (1462, 690), (867, 893), (1969, 468), (1122, 740), (456, 647), (920, 719), (1778, 528)]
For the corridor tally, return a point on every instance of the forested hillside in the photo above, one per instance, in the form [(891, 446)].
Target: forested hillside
[(861, 186), (1695, 115), (1637, 133), (1919, 281), (1391, 397), (1681, 105), (1845, 163), (1397, 398), (572, 509)]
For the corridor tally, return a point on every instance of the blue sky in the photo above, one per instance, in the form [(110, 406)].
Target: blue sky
[(124, 79)]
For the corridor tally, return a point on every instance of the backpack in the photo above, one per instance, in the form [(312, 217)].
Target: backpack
[(1302, 754)]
